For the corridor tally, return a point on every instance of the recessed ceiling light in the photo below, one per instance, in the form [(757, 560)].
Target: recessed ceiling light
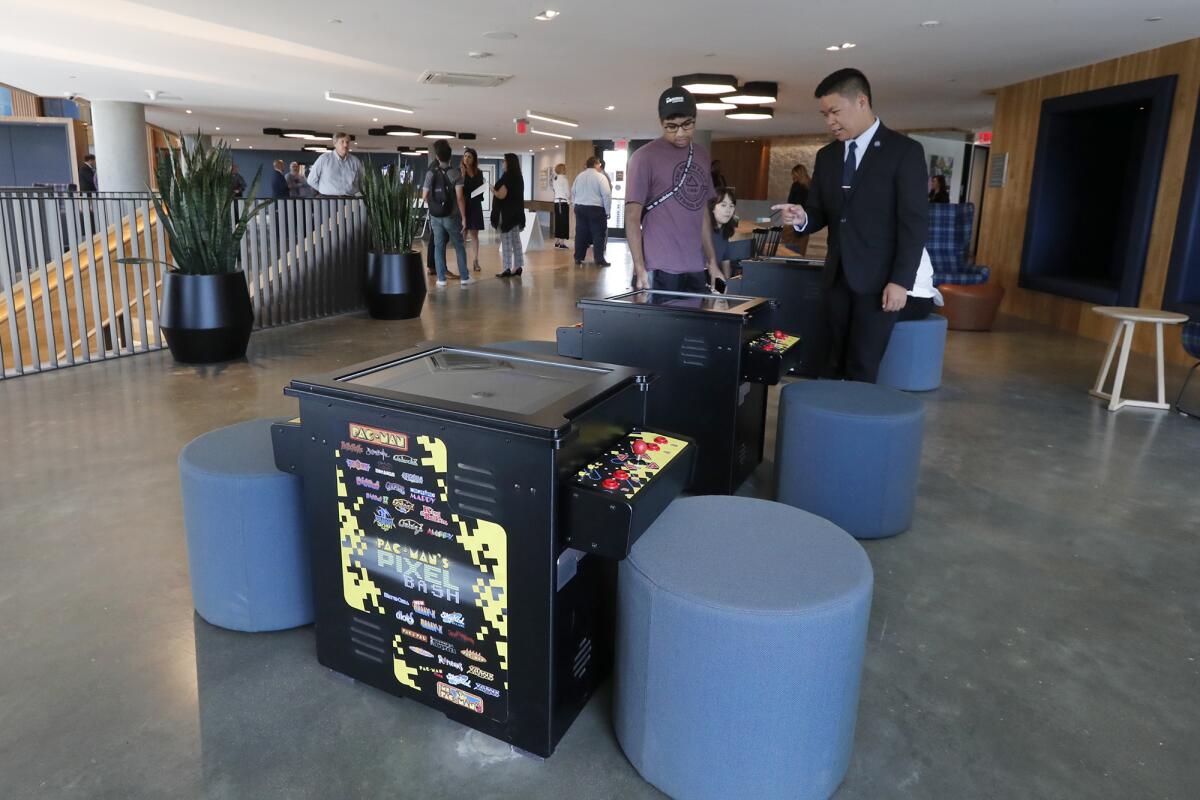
[(931, 23), (251, 147), (336, 97), (547, 15), (187, 111), (373, 119), (501, 35), (750, 112), (237, 140), (754, 93), (570, 123), (218, 128), (555, 134), (493, 138), (555, 147), (706, 83), (543, 148), (609, 108), (848, 45)]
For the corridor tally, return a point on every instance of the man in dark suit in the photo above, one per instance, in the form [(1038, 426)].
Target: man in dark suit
[(279, 186), (869, 188), (87, 174)]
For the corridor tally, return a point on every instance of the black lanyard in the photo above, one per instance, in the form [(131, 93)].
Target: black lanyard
[(662, 198)]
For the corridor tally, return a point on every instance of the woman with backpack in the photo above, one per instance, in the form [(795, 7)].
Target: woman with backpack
[(509, 192), (443, 193), (472, 180)]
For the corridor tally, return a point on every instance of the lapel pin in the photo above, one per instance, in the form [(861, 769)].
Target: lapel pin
[(878, 143)]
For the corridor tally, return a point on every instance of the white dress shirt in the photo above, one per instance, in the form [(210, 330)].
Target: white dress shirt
[(923, 286), (861, 143), (336, 176), (591, 189)]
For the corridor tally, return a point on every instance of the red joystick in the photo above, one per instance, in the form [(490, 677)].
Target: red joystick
[(653, 447), (609, 483), (639, 446), (621, 475), (768, 346), (779, 334), (660, 439)]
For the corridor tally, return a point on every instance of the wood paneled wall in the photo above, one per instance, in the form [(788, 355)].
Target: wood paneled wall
[(746, 165), (25, 104), (1015, 131)]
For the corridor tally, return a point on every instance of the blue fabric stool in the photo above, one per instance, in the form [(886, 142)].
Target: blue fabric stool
[(247, 550), (529, 346), (850, 452), (741, 627), (913, 360)]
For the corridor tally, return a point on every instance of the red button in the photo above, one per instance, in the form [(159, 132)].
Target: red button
[(779, 334), (621, 475), (639, 446), (609, 483), (653, 446), (768, 346), (660, 439)]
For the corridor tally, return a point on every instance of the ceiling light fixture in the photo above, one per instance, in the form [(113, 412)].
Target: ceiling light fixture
[(465, 137), (1153, 19), (316, 148), (187, 111), (336, 97), (479, 54), (547, 15), (706, 83), (500, 35), (753, 93), (394, 130), (609, 108), (848, 45), (547, 118), (751, 112), (292, 133), (716, 104), (218, 128), (335, 21), (834, 47), (438, 134), (931, 23), (555, 134)]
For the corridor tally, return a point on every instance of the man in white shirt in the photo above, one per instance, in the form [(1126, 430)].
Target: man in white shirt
[(593, 203), (337, 173)]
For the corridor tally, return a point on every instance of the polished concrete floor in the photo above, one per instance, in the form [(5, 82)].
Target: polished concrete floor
[(1034, 635)]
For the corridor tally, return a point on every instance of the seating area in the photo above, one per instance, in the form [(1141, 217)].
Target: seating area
[(971, 301)]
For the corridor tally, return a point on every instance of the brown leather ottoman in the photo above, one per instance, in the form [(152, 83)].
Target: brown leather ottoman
[(971, 308)]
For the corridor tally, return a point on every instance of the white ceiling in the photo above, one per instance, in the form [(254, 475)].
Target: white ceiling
[(248, 65)]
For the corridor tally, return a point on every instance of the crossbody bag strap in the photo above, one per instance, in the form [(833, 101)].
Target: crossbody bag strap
[(662, 198)]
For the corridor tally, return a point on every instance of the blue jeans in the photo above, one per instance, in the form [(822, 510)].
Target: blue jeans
[(448, 226)]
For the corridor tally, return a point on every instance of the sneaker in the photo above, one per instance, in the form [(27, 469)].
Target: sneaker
[(579, 263), (517, 271), (505, 274), (466, 281), (441, 284)]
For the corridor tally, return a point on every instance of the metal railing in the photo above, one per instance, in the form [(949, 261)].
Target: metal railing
[(65, 299)]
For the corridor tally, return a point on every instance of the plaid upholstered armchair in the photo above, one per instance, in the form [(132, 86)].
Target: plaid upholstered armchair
[(971, 302), (1191, 343)]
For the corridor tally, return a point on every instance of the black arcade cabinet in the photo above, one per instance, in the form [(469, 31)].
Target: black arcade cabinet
[(466, 508), (713, 356)]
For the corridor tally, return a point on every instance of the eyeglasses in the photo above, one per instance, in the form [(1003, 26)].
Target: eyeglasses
[(672, 127)]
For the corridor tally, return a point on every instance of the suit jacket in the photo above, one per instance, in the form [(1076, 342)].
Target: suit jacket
[(878, 228), (87, 178), (279, 185)]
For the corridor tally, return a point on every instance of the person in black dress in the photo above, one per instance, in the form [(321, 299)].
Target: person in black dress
[(798, 195), (472, 180), (509, 193), (939, 192)]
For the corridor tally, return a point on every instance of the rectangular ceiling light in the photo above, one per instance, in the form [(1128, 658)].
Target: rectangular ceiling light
[(550, 133), (335, 97), (547, 118)]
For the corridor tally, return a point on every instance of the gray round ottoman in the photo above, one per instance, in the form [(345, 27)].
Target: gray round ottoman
[(247, 551), (740, 635)]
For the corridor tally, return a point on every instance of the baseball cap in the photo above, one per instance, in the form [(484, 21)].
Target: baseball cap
[(676, 102)]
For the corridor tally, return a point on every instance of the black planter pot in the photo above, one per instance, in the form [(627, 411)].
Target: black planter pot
[(395, 285), (206, 318)]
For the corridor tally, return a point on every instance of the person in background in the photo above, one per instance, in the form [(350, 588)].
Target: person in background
[(939, 192), (666, 204), (443, 193), (239, 183), (798, 196), (279, 184), (562, 207), (296, 182), (721, 210), (924, 296), (718, 177), (867, 189), (510, 195), (593, 203), (472, 180), (337, 173), (603, 170), (87, 174)]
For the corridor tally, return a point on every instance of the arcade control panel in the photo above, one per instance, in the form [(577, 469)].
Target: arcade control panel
[(614, 498), (769, 357)]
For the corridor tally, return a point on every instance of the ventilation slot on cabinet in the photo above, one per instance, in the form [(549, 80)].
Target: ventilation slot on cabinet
[(582, 658), (367, 640), (693, 352), (743, 453), (474, 490)]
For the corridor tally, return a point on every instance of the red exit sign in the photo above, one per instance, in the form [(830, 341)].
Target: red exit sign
[(983, 137)]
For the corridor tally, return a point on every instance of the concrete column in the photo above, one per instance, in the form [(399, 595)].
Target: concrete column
[(119, 131)]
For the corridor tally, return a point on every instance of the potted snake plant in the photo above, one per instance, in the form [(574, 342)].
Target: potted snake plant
[(205, 313), (395, 284)]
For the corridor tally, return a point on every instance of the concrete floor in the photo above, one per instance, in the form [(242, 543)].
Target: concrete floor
[(1033, 636)]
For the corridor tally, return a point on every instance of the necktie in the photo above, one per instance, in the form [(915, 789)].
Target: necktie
[(848, 167)]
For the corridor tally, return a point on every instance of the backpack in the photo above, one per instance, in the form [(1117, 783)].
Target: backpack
[(443, 199)]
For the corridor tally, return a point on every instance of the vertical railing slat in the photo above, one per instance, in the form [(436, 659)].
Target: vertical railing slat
[(74, 237), (89, 224), (39, 247), (150, 297)]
